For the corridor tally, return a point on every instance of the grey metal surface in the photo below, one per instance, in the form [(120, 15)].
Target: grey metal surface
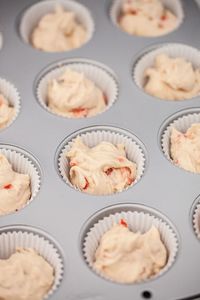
[(62, 211)]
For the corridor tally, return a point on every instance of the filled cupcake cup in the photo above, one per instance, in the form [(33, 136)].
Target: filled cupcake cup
[(173, 50), (24, 163), (92, 136), (103, 77), (180, 121), (33, 15), (174, 6), (18, 236), (137, 221), (9, 91)]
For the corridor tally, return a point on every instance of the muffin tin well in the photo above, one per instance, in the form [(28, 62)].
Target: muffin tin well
[(64, 213)]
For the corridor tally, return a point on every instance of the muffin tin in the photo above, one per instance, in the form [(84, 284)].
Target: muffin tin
[(164, 190)]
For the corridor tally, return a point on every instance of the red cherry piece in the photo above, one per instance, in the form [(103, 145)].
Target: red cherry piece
[(8, 186), (86, 184), (109, 171), (122, 222)]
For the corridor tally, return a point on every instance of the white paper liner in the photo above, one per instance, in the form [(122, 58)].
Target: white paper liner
[(173, 50), (23, 163), (181, 123), (9, 91), (174, 6), (196, 220), (101, 75), (137, 222), (134, 151), (33, 14), (13, 239)]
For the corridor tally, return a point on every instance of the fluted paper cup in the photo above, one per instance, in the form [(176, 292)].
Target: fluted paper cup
[(9, 91), (174, 6), (24, 163), (137, 221), (196, 218), (173, 50), (33, 15), (103, 77), (14, 237), (92, 136)]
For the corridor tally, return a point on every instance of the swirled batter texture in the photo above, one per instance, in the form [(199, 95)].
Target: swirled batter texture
[(6, 111), (15, 188), (58, 31), (102, 169), (74, 95), (185, 148), (128, 257), (25, 275), (172, 79)]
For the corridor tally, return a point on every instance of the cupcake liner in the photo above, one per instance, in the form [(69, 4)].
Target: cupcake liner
[(24, 163), (174, 6), (9, 91), (33, 14), (27, 237), (182, 123), (196, 219), (137, 222), (172, 50), (101, 75), (93, 136)]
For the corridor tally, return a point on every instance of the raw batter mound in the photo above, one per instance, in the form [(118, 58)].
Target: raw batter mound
[(100, 170), (58, 31)]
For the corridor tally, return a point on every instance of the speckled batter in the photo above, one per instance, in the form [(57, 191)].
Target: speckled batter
[(146, 18)]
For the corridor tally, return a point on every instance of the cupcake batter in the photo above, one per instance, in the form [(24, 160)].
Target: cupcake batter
[(129, 257), (25, 276), (6, 111), (172, 79), (185, 148), (100, 170), (74, 95), (146, 18), (58, 31), (15, 188)]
